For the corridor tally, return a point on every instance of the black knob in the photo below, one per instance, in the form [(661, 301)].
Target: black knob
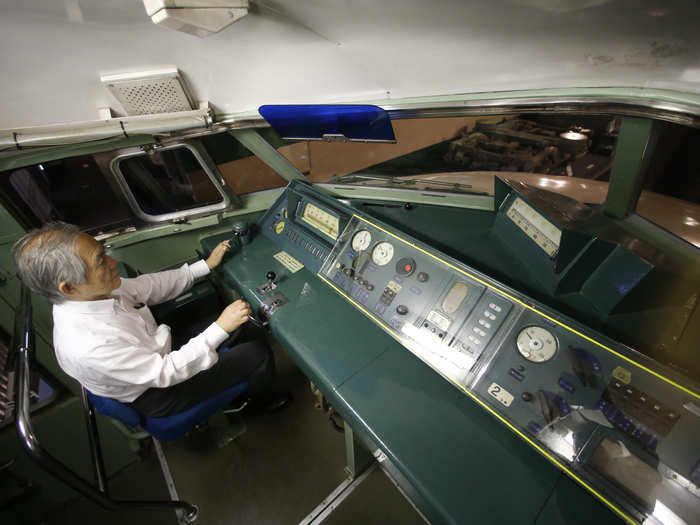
[(527, 396), (271, 276), (402, 309)]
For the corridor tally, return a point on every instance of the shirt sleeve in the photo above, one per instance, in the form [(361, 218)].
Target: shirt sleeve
[(156, 288), (123, 362)]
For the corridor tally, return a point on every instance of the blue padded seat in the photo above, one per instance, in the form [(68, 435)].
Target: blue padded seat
[(170, 427)]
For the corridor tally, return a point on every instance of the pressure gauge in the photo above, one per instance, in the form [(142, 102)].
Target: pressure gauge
[(382, 253), (361, 240), (536, 344)]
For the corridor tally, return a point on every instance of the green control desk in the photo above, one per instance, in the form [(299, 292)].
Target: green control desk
[(457, 463)]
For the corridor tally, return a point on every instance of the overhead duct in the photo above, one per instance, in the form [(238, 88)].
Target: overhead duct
[(196, 17)]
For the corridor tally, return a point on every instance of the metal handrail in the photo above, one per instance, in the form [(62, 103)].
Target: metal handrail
[(23, 350)]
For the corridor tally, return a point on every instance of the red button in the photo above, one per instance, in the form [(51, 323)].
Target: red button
[(407, 268)]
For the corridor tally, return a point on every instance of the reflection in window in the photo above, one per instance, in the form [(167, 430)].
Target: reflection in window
[(671, 193), (242, 170), (168, 181), (571, 155), (73, 190)]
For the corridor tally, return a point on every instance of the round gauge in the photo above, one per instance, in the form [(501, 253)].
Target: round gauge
[(361, 240), (382, 253), (536, 344)]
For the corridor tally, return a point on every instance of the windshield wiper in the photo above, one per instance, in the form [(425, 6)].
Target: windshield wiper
[(398, 181)]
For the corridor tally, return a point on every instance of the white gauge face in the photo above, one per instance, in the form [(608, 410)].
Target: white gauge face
[(534, 225), (361, 240), (321, 220), (382, 253), (536, 344)]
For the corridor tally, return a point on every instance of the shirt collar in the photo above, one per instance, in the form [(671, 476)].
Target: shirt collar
[(99, 306)]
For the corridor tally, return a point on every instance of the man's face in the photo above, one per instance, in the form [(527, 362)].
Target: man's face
[(100, 271)]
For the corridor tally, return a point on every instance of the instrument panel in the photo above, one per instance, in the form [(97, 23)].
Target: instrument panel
[(321, 220), (533, 224), (594, 408)]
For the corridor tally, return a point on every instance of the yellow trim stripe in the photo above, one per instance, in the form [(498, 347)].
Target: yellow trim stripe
[(518, 301), (492, 411), (473, 396), (545, 453)]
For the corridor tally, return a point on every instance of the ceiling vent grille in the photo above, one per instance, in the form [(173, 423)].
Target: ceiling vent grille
[(149, 92)]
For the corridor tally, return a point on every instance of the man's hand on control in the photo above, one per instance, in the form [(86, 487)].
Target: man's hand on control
[(217, 254), (234, 315)]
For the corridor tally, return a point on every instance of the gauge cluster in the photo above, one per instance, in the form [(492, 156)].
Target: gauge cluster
[(446, 317)]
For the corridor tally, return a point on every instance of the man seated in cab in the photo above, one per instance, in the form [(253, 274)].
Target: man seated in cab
[(106, 338)]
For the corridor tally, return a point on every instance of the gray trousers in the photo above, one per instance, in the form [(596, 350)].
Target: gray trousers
[(252, 361)]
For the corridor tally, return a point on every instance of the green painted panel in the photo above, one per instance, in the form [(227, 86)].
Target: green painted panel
[(441, 439), (319, 329), (569, 505), (634, 146)]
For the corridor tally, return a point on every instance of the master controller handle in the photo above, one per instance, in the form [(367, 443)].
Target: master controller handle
[(271, 276), (241, 232)]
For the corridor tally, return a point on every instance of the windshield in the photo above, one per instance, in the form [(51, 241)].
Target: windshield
[(571, 155), (568, 154)]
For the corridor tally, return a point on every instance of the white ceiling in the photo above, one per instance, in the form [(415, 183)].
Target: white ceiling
[(303, 51)]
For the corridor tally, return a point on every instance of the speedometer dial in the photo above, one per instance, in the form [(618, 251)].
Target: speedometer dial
[(382, 253), (536, 344), (361, 240)]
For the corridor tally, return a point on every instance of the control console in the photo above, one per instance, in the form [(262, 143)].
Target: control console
[(620, 424)]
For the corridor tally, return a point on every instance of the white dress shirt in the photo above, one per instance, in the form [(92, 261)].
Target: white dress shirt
[(118, 351)]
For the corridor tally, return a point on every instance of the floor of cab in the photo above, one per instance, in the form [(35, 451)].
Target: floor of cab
[(279, 470)]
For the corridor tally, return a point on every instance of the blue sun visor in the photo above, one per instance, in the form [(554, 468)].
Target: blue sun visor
[(332, 122)]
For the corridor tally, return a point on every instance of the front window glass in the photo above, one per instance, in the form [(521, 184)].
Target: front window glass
[(571, 155), (168, 180), (246, 173), (671, 193), (73, 190)]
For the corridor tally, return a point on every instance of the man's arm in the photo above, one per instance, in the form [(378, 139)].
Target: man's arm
[(156, 288), (119, 362)]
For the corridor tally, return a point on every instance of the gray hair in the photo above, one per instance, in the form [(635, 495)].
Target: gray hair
[(47, 256)]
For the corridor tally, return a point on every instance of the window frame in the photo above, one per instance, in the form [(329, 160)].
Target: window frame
[(205, 162)]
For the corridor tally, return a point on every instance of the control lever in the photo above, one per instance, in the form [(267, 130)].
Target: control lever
[(241, 233), (270, 284), (256, 322)]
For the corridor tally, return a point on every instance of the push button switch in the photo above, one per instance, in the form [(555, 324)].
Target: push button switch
[(405, 266)]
